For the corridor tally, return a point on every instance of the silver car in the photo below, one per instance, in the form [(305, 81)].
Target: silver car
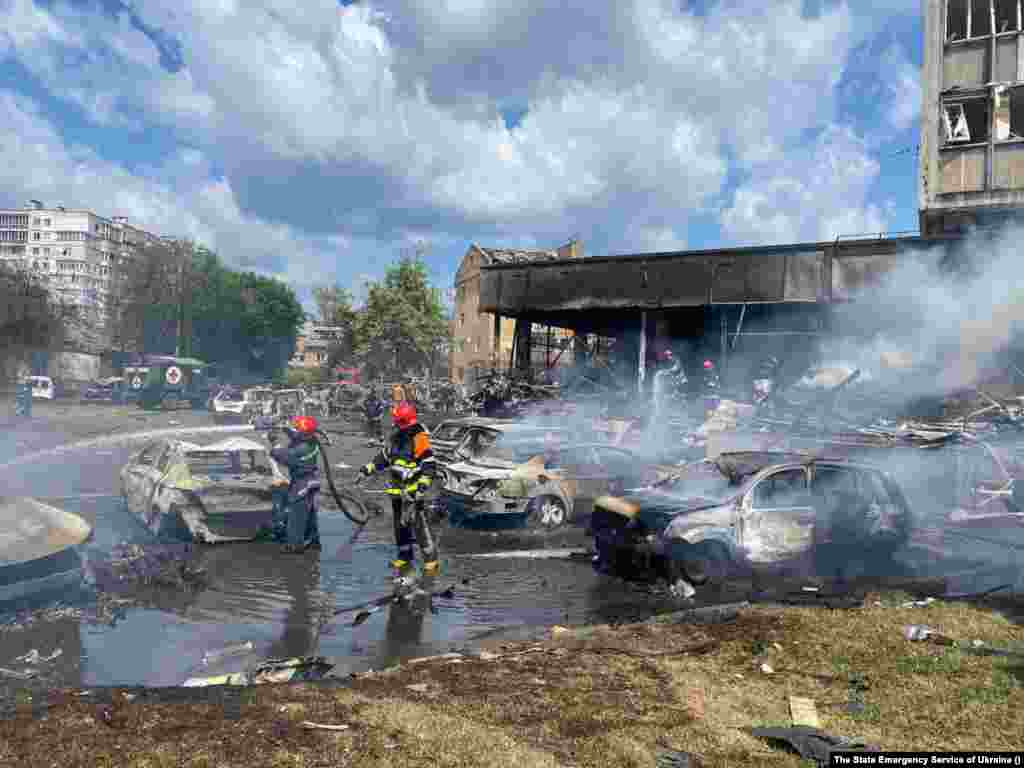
[(753, 511), (204, 493)]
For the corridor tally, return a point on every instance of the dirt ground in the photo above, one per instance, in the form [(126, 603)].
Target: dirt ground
[(599, 696)]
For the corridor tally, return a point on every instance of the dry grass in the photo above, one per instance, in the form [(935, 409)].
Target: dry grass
[(607, 697)]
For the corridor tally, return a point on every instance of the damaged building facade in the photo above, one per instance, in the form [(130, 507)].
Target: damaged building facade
[(972, 119), (735, 306), (481, 341)]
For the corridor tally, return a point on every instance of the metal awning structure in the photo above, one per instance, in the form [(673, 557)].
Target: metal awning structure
[(561, 292)]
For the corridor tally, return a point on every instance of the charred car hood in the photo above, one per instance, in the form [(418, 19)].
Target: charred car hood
[(487, 471), (655, 509)]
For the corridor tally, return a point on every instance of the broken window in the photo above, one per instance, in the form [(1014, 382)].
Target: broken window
[(965, 122), (956, 19), (1009, 113), (1006, 16), (981, 18)]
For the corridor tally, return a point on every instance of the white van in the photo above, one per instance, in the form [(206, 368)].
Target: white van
[(42, 388)]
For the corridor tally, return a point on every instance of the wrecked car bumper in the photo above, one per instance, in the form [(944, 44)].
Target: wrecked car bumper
[(240, 523), (465, 511)]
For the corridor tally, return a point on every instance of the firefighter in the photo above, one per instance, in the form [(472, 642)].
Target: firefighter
[(410, 460), (302, 458)]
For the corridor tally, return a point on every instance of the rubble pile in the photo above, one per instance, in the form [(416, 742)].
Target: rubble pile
[(164, 565)]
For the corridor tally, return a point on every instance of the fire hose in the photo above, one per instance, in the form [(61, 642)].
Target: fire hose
[(346, 500)]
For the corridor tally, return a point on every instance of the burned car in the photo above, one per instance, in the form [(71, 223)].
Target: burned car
[(446, 436), (204, 493), (512, 476), (753, 512)]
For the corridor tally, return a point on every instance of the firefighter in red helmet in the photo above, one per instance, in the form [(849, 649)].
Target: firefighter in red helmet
[(301, 456), (410, 461)]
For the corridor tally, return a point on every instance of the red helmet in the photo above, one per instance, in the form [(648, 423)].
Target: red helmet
[(403, 415), (305, 425), (708, 365)]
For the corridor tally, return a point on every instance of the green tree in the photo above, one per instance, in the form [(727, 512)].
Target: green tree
[(403, 327), (31, 318), (246, 323)]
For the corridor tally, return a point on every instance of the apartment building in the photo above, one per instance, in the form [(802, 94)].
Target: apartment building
[(74, 252), (972, 120), (312, 345)]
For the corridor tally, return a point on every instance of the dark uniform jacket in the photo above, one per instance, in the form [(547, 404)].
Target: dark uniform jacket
[(409, 458), (374, 407), (302, 458)]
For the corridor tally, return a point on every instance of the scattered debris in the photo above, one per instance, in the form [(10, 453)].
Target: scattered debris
[(270, 671), (767, 669), (28, 674), (418, 687), (33, 656), (711, 614), (442, 657), (920, 632), (683, 589), (812, 743), (237, 649), (803, 711), (695, 703), (323, 726), (671, 758), (919, 603)]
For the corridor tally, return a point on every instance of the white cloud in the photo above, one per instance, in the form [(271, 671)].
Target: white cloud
[(815, 196), (391, 109), (904, 88), (34, 163)]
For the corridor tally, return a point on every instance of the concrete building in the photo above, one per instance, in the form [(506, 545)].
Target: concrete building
[(482, 341), (972, 119), (313, 343), (75, 253)]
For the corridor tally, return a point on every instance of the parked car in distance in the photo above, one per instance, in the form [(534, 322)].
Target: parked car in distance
[(753, 511), (205, 493), (109, 390), (227, 402)]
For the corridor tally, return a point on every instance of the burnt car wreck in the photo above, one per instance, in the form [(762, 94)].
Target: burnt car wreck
[(204, 493), (754, 511)]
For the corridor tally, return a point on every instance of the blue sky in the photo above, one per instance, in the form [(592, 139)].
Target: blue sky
[(315, 146)]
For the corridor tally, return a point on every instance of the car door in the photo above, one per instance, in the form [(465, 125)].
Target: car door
[(836, 495), (149, 478), (135, 473), (777, 518), (586, 478)]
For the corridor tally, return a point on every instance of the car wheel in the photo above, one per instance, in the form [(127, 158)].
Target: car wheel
[(706, 563), (547, 513)]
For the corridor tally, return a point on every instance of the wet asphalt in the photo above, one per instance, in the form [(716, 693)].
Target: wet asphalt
[(506, 583), (71, 455)]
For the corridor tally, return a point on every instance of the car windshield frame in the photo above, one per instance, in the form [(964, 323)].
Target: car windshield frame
[(507, 447), (194, 460), (717, 487)]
